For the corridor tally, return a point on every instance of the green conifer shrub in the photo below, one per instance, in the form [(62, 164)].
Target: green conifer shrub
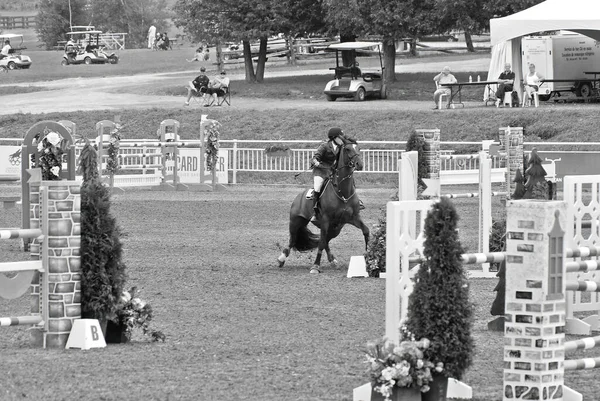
[(102, 268), (439, 307)]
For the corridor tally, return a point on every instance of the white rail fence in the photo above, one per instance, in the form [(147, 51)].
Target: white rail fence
[(140, 166)]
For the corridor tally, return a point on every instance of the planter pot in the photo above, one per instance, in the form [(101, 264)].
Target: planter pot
[(438, 389), (115, 333), (398, 394)]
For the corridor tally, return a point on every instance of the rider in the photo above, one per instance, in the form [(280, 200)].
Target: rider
[(324, 161)]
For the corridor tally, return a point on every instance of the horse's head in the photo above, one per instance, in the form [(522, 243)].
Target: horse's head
[(350, 156)]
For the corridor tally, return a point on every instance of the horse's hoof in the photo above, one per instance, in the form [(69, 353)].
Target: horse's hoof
[(315, 270), (334, 262), (281, 263)]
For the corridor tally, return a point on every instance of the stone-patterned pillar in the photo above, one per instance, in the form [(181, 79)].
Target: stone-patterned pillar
[(59, 206), (431, 137), (511, 142), (535, 301)]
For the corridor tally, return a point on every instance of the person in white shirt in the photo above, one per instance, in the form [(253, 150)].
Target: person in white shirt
[(444, 77), (151, 36), (532, 80), (6, 49), (217, 87)]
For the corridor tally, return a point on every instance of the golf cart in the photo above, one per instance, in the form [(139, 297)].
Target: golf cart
[(83, 47), (15, 59), (351, 82)]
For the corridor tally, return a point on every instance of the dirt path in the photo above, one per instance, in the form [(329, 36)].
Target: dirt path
[(96, 93)]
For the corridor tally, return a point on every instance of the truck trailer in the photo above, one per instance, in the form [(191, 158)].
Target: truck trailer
[(564, 58)]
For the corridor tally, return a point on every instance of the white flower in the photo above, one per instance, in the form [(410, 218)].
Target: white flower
[(439, 367), (388, 373), (53, 138), (125, 297), (136, 303), (55, 170), (419, 364), (40, 146), (403, 368)]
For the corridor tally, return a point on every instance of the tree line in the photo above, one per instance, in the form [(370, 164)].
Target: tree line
[(218, 21), (134, 17)]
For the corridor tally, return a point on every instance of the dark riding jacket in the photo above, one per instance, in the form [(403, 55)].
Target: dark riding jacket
[(326, 156)]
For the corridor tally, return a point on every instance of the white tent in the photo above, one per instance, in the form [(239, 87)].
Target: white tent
[(581, 16)]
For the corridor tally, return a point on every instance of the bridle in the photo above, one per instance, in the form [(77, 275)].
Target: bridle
[(351, 164)]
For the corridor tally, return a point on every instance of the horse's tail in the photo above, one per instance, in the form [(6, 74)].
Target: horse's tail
[(303, 239)]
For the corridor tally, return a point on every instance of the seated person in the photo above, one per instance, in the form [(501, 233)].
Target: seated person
[(164, 42), (6, 50), (355, 71), (70, 48), (505, 84), (198, 56), (444, 77), (217, 88), (198, 87), (532, 81)]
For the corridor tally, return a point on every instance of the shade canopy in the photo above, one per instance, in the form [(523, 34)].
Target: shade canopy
[(581, 16)]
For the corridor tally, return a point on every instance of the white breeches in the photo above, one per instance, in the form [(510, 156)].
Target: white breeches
[(318, 183)]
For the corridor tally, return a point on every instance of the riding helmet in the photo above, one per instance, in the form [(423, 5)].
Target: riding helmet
[(335, 132)]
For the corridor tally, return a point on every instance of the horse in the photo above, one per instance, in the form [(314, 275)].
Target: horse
[(338, 206)]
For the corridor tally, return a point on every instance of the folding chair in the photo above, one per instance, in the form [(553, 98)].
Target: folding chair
[(197, 96), (226, 98)]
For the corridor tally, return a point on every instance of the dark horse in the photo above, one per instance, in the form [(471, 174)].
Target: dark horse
[(339, 206)]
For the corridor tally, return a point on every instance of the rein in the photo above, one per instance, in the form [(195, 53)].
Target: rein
[(351, 165)]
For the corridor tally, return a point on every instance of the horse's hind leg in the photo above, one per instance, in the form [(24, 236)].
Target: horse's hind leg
[(283, 257)]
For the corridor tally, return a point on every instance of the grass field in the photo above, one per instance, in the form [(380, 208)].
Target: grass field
[(237, 326)]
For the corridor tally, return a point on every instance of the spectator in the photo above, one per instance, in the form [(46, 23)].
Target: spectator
[(444, 77), (217, 88), (532, 81), (165, 42), (505, 84), (151, 37), (198, 87), (198, 56), (6, 49)]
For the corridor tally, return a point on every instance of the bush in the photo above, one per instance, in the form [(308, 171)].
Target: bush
[(103, 272), (439, 307)]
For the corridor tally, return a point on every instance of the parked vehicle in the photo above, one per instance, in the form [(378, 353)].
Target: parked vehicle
[(564, 57), (15, 59), (84, 47), (351, 82)]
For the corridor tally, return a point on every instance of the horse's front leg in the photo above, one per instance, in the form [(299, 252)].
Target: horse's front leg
[(358, 223), (323, 244), (330, 256)]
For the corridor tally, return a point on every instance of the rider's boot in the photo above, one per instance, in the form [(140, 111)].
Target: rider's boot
[(316, 203)]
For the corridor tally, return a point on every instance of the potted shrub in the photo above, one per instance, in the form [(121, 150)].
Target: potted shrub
[(439, 307), (102, 269)]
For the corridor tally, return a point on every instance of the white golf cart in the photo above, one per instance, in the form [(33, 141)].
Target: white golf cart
[(15, 59), (351, 82), (84, 47)]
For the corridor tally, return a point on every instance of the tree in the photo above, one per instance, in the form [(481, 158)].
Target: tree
[(536, 187), (439, 307), (519, 188), (297, 17), (397, 19), (53, 19), (219, 20), (102, 269), (469, 16), (133, 17), (344, 18)]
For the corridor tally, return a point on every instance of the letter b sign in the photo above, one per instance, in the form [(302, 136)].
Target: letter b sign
[(94, 330)]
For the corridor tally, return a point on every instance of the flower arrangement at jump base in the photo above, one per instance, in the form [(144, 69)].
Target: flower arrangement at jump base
[(112, 164), (134, 313), (392, 367), (211, 128), (50, 148)]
